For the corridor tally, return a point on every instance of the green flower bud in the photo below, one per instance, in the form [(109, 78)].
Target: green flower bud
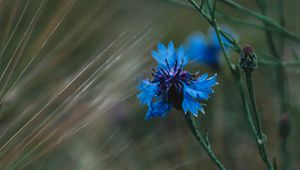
[(248, 60)]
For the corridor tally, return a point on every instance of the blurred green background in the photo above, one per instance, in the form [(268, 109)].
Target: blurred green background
[(69, 75)]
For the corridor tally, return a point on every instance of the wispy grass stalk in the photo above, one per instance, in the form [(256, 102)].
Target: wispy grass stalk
[(73, 100)]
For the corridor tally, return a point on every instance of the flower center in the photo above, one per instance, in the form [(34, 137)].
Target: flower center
[(171, 81)]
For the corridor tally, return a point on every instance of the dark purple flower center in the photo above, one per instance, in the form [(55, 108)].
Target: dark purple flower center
[(171, 82)]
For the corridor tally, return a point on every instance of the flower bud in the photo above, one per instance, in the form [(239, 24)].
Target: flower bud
[(284, 125), (248, 59)]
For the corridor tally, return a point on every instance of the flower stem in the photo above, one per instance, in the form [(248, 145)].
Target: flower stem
[(263, 18), (203, 142), (260, 136), (281, 75), (256, 130)]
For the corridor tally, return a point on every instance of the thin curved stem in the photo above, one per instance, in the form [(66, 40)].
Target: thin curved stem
[(260, 135), (203, 142), (282, 82), (256, 130), (263, 18)]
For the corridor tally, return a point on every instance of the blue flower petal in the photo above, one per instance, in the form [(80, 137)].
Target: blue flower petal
[(207, 50), (171, 46), (191, 105), (211, 55), (160, 59), (164, 55), (205, 85), (148, 91), (161, 49), (195, 93), (200, 89), (181, 57), (170, 56), (196, 41), (200, 50), (195, 46), (157, 109), (202, 77)]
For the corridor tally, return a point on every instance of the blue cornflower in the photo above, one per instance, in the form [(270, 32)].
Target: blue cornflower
[(206, 50), (172, 86)]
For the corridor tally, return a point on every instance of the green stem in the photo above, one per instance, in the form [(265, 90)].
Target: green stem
[(238, 81), (263, 18), (204, 143), (285, 155), (246, 106), (281, 74), (249, 83), (257, 132), (260, 135)]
